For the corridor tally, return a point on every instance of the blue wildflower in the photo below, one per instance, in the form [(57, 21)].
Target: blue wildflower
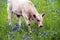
[(4, 0), (18, 30), (41, 35), (17, 24), (53, 10), (8, 33), (7, 24), (10, 25), (24, 36), (22, 26), (45, 33), (30, 36), (33, 30), (51, 0), (13, 36), (57, 11), (14, 28)]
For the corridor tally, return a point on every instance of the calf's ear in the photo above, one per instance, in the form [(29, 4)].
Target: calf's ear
[(42, 14)]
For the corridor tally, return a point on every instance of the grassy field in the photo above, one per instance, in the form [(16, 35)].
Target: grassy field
[(51, 23)]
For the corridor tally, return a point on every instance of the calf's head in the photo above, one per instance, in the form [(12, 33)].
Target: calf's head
[(38, 19)]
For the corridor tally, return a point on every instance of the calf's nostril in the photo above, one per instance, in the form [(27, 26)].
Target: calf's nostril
[(41, 26)]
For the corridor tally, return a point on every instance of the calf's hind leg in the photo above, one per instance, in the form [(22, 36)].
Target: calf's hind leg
[(9, 10)]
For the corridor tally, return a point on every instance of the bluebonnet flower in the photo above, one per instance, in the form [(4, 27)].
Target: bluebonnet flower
[(51, 0), (18, 30), (30, 36), (33, 30), (14, 28), (24, 36), (10, 25), (45, 33), (57, 11), (53, 10), (7, 24), (8, 33), (41, 35), (4, 0), (13, 36), (22, 26), (17, 24)]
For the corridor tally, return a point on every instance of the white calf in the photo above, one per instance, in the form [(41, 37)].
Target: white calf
[(26, 9)]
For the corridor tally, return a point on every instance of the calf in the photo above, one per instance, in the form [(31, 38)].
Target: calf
[(26, 9)]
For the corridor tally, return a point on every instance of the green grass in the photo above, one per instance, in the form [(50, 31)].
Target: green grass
[(51, 22)]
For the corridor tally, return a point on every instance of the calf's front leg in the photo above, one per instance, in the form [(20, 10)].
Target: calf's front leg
[(18, 20), (26, 19), (28, 23)]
